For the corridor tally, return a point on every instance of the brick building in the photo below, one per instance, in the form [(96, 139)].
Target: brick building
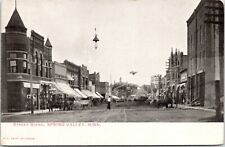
[(77, 75), (24, 60), (177, 63), (206, 52), (73, 74), (103, 88), (59, 72), (94, 77)]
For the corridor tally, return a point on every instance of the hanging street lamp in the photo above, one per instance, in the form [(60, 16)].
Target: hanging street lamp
[(96, 39)]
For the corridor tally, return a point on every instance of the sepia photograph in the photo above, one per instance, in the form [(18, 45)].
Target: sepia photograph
[(97, 63)]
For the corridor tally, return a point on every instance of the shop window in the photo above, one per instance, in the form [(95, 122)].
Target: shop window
[(13, 66), (24, 66), (12, 55)]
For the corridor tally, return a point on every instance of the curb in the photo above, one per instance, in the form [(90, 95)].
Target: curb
[(26, 113), (196, 108)]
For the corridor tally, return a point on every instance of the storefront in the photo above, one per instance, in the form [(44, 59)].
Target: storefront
[(27, 95), (63, 96), (45, 93)]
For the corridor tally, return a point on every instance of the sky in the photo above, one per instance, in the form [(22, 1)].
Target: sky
[(134, 34)]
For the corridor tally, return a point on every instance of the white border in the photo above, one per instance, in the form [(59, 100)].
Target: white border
[(113, 134)]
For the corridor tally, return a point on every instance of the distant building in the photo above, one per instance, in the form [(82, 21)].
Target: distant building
[(177, 63), (156, 81), (22, 56), (84, 77), (94, 77), (206, 53), (103, 88)]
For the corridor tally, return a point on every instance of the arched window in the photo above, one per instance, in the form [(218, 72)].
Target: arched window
[(24, 66), (46, 69), (36, 62), (41, 69), (50, 70)]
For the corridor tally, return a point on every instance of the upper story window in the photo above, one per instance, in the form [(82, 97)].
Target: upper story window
[(46, 69), (24, 66), (41, 70), (28, 68), (36, 61), (24, 55), (12, 66), (12, 55)]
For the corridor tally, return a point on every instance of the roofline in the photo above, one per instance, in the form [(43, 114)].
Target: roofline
[(37, 35), (200, 5), (195, 11), (71, 63), (58, 63)]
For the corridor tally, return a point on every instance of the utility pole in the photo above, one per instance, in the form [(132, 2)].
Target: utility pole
[(31, 80)]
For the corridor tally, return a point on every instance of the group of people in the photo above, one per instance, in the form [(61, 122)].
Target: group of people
[(175, 96)]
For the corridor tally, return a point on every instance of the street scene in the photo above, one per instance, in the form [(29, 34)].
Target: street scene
[(119, 113), (82, 61)]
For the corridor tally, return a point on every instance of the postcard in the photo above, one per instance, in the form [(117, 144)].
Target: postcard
[(115, 72)]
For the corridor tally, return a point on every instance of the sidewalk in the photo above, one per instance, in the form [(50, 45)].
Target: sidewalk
[(27, 112), (196, 108)]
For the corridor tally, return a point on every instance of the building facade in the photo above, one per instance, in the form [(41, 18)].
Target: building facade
[(73, 74), (206, 53), (177, 63), (25, 62), (78, 76), (103, 88), (84, 77), (59, 72), (156, 81), (94, 77)]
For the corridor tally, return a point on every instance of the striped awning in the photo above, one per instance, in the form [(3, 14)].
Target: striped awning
[(66, 89), (90, 94), (78, 91), (99, 94)]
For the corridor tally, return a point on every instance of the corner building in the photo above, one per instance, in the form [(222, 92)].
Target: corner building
[(21, 57), (206, 53)]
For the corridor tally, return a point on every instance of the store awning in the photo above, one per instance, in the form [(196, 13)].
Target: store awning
[(115, 97), (78, 91), (69, 77), (96, 96), (99, 94), (90, 94), (66, 89)]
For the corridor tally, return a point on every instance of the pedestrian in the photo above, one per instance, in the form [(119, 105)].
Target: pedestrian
[(109, 103), (50, 105)]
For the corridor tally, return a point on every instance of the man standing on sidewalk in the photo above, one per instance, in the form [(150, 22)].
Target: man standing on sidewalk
[(109, 103)]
